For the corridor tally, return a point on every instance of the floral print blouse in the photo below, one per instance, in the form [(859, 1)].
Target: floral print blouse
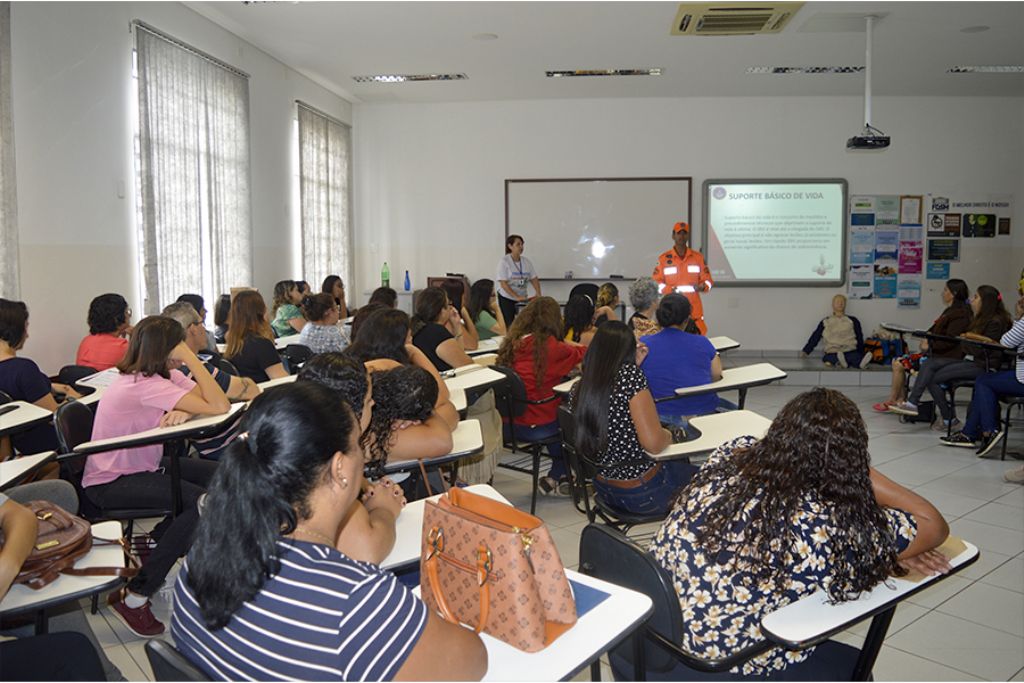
[(721, 604)]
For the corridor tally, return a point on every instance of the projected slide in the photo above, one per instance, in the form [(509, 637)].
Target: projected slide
[(783, 232)]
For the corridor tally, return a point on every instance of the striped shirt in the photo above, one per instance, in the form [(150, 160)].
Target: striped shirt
[(323, 616), (1014, 339)]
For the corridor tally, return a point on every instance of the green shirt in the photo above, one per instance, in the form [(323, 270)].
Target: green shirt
[(280, 323), (484, 322)]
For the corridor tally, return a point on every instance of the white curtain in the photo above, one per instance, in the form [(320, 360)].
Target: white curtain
[(196, 231), (9, 283), (324, 169)]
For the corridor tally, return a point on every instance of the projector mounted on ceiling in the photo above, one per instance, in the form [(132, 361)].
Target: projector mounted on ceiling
[(870, 138)]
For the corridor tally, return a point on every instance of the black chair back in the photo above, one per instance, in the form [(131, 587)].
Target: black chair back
[(510, 395), (224, 365), (296, 355), (5, 398), (73, 423), (607, 554), (170, 665), (585, 289), (69, 374)]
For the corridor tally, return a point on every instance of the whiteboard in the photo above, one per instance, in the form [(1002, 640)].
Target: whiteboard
[(595, 227)]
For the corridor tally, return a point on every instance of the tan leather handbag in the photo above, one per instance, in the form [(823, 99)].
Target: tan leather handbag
[(61, 540), (496, 569)]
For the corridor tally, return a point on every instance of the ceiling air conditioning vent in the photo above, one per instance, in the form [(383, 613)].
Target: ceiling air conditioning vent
[(709, 19)]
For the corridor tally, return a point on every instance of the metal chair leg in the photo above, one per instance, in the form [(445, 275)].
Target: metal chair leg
[(536, 478)]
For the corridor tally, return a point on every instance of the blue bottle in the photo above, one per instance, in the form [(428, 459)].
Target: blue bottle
[(408, 285)]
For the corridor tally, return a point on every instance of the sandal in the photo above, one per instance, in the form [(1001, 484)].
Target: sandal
[(883, 407)]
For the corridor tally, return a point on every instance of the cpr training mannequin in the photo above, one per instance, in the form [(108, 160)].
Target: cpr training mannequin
[(844, 341)]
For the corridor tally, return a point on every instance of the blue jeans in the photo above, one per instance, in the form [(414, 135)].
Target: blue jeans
[(853, 358), (652, 497), (983, 415), (539, 433)]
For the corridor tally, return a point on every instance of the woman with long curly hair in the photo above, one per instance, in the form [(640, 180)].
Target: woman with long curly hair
[(534, 349), (765, 523)]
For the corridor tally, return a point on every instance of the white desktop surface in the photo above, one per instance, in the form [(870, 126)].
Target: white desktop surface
[(472, 376), (24, 414), (807, 618), (715, 430), (284, 341), (724, 343), (486, 346), (103, 378), (287, 379), (166, 432), (94, 397), (13, 468), (22, 597), (458, 399), (737, 378)]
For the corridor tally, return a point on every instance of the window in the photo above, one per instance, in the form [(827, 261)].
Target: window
[(9, 285), (324, 207), (193, 169)]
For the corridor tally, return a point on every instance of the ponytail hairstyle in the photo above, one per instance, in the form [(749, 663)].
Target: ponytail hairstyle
[(674, 310), (607, 295), (261, 491), (405, 393), (613, 346), (579, 316), (281, 291), (958, 288), (429, 304), (992, 308), (316, 307)]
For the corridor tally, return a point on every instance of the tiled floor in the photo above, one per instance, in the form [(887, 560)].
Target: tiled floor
[(968, 627)]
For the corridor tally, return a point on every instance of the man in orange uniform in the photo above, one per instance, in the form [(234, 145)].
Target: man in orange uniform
[(683, 270)]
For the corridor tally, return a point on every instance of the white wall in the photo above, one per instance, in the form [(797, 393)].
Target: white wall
[(72, 91), (429, 180)]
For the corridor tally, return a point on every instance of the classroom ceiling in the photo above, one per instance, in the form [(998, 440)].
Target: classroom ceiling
[(914, 45)]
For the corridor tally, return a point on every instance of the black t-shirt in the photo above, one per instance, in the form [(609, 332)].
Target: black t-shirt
[(428, 339), (22, 380), (256, 356)]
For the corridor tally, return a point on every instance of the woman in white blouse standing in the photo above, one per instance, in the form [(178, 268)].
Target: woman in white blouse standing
[(514, 272)]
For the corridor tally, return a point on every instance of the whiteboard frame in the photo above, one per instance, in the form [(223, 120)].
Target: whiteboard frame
[(832, 283), (606, 277)]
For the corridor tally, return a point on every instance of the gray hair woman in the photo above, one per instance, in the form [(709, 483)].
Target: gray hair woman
[(643, 297)]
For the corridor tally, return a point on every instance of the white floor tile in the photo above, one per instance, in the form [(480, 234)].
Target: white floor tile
[(896, 665), (990, 606), (906, 614), (986, 563), (951, 505), (568, 544), (138, 652), (1014, 497), (122, 659), (940, 592), (988, 537), (1009, 575), (973, 483), (997, 514), (964, 645), (1019, 676)]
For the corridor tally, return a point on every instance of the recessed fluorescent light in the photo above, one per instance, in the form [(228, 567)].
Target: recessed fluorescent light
[(403, 78), (805, 69), (574, 73), (987, 70), (974, 29)]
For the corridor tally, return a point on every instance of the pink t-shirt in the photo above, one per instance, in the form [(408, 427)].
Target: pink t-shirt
[(101, 351), (132, 404)]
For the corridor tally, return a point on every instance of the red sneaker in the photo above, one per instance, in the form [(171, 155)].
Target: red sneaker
[(882, 407), (139, 620)]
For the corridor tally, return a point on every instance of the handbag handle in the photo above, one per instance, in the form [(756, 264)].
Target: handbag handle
[(483, 571)]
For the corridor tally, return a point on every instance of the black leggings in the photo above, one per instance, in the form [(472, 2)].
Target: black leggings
[(153, 489), (508, 310)]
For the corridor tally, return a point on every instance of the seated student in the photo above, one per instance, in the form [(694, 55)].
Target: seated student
[(403, 425), (199, 305), (484, 310), (147, 394), (384, 341), (250, 341), (33, 658), (844, 341), (990, 322), (265, 594), (676, 359), (361, 315), (765, 523), (438, 331), (607, 298), (580, 315), (644, 298), (220, 318), (534, 349), (983, 428), (384, 295), (22, 380), (321, 333), (286, 317), (617, 425), (109, 328), (334, 286), (368, 533), (954, 320), (304, 289)]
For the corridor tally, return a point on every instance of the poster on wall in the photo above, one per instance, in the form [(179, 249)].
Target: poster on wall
[(862, 282), (885, 279), (910, 209), (943, 225), (911, 256), (1004, 226), (938, 271), (908, 291), (979, 225), (862, 246), (943, 249), (887, 244)]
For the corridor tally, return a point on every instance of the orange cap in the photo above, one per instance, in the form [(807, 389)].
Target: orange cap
[(681, 227)]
